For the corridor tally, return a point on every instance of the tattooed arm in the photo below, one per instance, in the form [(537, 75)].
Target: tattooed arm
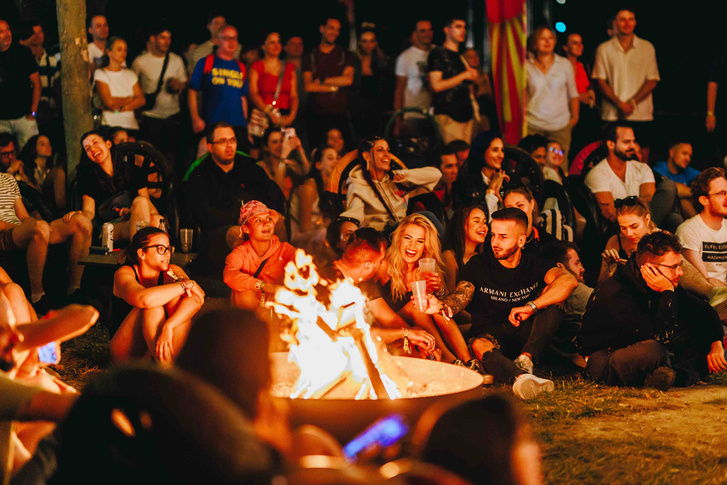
[(456, 301)]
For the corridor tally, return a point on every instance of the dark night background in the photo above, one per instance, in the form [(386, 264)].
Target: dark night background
[(686, 39)]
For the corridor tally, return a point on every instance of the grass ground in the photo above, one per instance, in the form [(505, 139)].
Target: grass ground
[(589, 434)]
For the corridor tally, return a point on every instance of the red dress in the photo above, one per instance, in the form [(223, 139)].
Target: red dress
[(266, 84)]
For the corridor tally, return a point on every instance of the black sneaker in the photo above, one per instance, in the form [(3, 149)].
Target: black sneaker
[(661, 379), (475, 365), (42, 306)]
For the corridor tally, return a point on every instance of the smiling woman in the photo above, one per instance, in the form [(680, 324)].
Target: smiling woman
[(378, 196), (415, 239)]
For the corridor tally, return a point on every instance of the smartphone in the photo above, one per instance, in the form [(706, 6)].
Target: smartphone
[(48, 354), (289, 132), (384, 433)]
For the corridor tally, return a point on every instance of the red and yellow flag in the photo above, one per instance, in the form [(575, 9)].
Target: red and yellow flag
[(507, 25)]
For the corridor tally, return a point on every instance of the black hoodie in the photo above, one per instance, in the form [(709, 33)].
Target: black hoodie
[(624, 310)]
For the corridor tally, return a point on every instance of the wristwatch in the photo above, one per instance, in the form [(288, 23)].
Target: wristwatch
[(259, 285), (533, 306)]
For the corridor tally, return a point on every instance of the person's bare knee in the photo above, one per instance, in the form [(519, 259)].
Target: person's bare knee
[(481, 346), (151, 320), (82, 225)]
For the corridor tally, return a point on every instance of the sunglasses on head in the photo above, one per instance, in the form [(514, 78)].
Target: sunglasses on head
[(626, 201)]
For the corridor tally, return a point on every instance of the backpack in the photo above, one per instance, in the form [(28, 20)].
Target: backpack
[(209, 62)]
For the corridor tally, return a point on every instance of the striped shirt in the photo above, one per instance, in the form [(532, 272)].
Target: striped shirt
[(9, 191)]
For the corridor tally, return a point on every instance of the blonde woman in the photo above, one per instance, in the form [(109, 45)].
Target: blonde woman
[(414, 239)]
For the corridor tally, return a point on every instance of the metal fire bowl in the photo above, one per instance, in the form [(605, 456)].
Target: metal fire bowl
[(345, 418)]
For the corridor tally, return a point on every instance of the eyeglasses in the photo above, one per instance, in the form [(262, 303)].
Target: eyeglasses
[(672, 267), (228, 37), (721, 193), (161, 249), (555, 150), (626, 201), (8, 154), (225, 141)]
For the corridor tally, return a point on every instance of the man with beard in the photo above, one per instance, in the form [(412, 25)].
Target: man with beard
[(327, 74), (504, 289), (621, 175), (704, 236), (641, 327)]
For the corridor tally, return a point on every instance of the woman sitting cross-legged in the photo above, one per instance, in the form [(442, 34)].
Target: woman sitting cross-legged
[(162, 296), (414, 239), (254, 268)]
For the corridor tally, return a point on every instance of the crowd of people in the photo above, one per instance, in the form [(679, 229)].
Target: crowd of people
[(280, 150)]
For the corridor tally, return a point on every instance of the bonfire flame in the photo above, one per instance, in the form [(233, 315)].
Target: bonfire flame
[(329, 345)]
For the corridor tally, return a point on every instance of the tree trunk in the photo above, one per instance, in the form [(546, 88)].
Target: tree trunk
[(74, 78)]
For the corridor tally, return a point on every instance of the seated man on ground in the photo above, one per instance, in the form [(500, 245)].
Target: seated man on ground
[(642, 328), (504, 288), (162, 297), (704, 236), (677, 169), (18, 230), (621, 175), (254, 269), (217, 188), (360, 261), (565, 254)]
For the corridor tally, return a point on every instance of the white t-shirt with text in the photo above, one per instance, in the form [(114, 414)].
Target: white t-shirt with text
[(710, 244)]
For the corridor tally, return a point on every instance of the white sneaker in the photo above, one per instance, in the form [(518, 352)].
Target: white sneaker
[(527, 386), (525, 363)]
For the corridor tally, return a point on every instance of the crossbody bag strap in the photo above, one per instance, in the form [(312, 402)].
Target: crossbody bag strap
[(280, 82), (161, 76), (260, 268)]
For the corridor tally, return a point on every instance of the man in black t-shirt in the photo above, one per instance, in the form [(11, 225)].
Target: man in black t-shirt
[(20, 88), (327, 75), (504, 289), (451, 79), (217, 189)]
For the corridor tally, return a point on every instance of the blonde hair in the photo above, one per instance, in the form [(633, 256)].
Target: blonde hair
[(397, 266)]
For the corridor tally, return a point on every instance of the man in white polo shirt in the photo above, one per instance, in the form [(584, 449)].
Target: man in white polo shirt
[(704, 236), (626, 73), (622, 175)]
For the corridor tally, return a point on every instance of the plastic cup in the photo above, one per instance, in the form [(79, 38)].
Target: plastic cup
[(141, 225), (419, 290), (185, 239), (427, 265)]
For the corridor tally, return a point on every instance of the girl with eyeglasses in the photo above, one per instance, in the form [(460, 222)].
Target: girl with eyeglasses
[(163, 300), (553, 169)]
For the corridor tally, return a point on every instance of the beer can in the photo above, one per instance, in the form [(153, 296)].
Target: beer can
[(107, 236)]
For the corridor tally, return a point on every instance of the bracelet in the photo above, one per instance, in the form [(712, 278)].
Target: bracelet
[(407, 349), (532, 305), (446, 311), (710, 113), (182, 284)]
